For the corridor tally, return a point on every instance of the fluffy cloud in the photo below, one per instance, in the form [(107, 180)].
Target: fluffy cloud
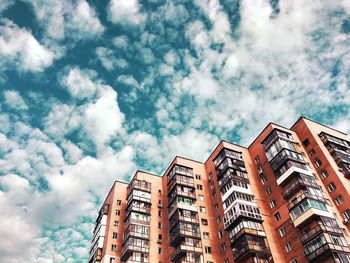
[(14, 100), (22, 49), (121, 11)]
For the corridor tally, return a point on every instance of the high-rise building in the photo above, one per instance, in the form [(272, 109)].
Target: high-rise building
[(285, 198)]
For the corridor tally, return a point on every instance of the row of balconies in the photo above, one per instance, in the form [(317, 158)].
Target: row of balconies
[(275, 134), (139, 185), (230, 163), (134, 245), (180, 180), (283, 156), (317, 230), (179, 170), (232, 174), (179, 191), (326, 138), (250, 212), (247, 249), (181, 251), (182, 230), (189, 217)]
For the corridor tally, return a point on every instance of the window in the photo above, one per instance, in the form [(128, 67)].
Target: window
[(312, 152), (318, 163), (226, 260), (346, 214), (257, 159), (199, 187), (204, 222), (159, 191), (282, 231), (116, 223), (261, 171), (114, 247), (207, 250), (214, 195), (111, 260), (119, 202), (212, 185), (339, 200), (198, 177), (218, 220), (159, 251), (223, 247), (273, 203), (221, 233), (160, 225), (115, 235), (117, 212), (324, 174), (277, 216), (159, 213), (206, 235), (294, 260), (202, 209), (210, 176), (288, 247), (159, 203), (268, 191), (263, 180), (306, 142), (200, 197), (331, 187), (216, 207), (160, 237)]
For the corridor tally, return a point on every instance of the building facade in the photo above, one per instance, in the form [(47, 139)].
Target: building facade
[(285, 198)]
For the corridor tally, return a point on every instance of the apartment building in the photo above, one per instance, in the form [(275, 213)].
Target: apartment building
[(285, 198)]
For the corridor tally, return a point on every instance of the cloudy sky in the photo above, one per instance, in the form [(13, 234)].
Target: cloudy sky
[(90, 91)]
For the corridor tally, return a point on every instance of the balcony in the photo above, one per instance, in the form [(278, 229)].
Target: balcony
[(246, 231), (284, 155), (138, 207), (139, 185), (291, 172), (178, 192), (230, 163), (232, 174), (182, 217), (96, 256), (296, 185), (306, 195), (317, 230), (130, 247), (136, 231), (181, 251), (182, 230), (237, 211), (326, 138), (180, 180), (179, 170), (245, 250), (132, 197), (227, 153), (277, 134), (322, 248), (181, 205)]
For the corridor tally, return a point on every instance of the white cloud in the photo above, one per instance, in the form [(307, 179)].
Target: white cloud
[(121, 11), (14, 100), (79, 83), (21, 48)]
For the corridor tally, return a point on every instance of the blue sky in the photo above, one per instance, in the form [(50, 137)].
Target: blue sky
[(90, 91)]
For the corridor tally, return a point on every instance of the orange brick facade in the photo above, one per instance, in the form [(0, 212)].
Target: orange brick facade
[(285, 198)]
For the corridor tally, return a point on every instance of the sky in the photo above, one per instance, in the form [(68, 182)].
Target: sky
[(91, 91)]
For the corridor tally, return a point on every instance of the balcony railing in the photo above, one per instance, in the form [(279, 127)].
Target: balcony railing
[(317, 230), (231, 174), (139, 185), (226, 153), (177, 217), (178, 192), (181, 250), (181, 170), (179, 232), (326, 247), (296, 185), (306, 195), (250, 248), (284, 155), (137, 208), (275, 134), (230, 163), (133, 197), (131, 231), (131, 246), (246, 231), (230, 218), (189, 182), (329, 138)]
